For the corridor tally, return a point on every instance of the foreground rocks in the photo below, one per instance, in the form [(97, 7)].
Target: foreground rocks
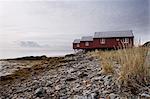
[(72, 77)]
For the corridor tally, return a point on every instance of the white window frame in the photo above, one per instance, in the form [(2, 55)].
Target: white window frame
[(102, 41), (126, 40), (117, 39), (87, 44), (78, 45)]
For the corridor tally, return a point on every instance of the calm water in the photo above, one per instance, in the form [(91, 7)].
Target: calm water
[(13, 53)]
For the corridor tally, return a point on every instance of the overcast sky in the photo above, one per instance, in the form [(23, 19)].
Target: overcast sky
[(55, 24)]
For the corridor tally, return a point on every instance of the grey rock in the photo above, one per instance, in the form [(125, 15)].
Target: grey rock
[(78, 97), (49, 83), (108, 77), (95, 95), (37, 98), (82, 75), (100, 78), (35, 82), (58, 87), (145, 95), (70, 70), (108, 80), (113, 96), (63, 97), (84, 97), (86, 92), (106, 92), (40, 92)]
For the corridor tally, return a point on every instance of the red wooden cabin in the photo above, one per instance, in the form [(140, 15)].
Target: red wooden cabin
[(106, 40), (113, 39), (86, 42), (76, 44)]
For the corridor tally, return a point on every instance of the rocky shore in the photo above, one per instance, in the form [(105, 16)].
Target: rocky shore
[(75, 76)]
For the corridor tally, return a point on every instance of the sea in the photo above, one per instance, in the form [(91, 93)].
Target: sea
[(15, 53)]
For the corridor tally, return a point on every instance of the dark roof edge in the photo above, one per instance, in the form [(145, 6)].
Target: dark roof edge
[(117, 31), (113, 37)]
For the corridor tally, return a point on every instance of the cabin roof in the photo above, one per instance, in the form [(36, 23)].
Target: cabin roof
[(76, 41), (87, 38), (109, 34)]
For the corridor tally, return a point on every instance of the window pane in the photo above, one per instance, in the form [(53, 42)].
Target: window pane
[(126, 40), (102, 41), (86, 43), (117, 39)]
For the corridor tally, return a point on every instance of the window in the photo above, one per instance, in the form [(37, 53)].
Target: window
[(102, 41), (78, 45), (117, 39), (86, 43), (125, 40)]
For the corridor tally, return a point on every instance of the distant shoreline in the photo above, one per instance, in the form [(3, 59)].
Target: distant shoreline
[(34, 56), (29, 58), (40, 57), (11, 54)]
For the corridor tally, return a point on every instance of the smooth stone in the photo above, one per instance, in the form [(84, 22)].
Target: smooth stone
[(58, 87), (49, 83), (95, 95), (145, 95), (105, 92), (108, 80), (112, 96), (40, 92), (98, 78)]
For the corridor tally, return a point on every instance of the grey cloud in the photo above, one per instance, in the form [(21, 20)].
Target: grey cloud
[(31, 44)]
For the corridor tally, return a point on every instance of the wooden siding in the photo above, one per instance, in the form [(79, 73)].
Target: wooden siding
[(82, 45), (75, 46), (110, 43)]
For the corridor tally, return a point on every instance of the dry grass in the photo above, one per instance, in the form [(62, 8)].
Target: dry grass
[(132, 71)]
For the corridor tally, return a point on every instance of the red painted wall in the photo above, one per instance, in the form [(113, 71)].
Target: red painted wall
[(112, 43), (82, 45), (75, 46), (109, 43)]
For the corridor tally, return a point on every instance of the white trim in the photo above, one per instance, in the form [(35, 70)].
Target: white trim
[(102, 41), (117, 39), (86, 43), (78, 45), (126, 40)]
